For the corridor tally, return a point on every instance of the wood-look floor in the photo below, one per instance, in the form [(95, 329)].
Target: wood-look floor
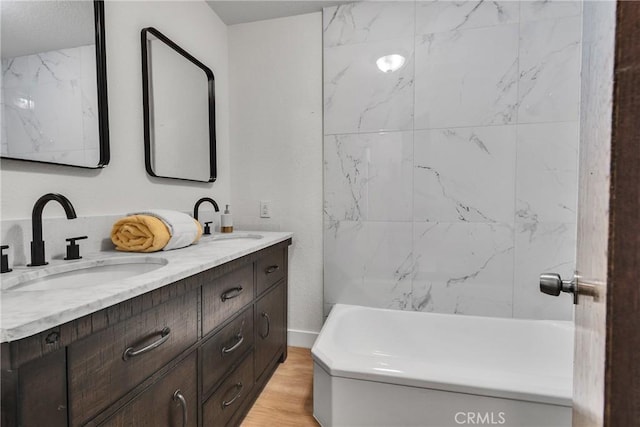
[(287, 400)]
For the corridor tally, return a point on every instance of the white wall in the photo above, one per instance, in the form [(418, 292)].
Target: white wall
[(275, 69), (124, 184)]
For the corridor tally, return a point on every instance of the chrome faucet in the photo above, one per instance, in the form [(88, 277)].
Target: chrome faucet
[(207, 230), (37, 244)]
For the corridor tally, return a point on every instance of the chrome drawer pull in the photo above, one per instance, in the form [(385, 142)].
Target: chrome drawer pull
[(231, 293), (240, 339), (266, 316), (177, 395), (271, 269), (226, 403), (131, 352)]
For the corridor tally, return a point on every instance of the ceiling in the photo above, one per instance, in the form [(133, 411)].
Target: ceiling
[(240, 11)]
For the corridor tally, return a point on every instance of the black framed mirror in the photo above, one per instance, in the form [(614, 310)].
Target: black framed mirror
[(179, 111), (54, 82)]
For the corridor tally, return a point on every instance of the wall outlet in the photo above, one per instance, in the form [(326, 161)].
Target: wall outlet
[(265, 209)]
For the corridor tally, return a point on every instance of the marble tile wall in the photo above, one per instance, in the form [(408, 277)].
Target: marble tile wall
[(451, 183), (35, 128)]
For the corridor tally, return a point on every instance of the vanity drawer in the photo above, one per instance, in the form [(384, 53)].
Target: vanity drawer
[(225, 297), (99, 372), (271, 269), (221, 406), (166, 402), (225, 348)]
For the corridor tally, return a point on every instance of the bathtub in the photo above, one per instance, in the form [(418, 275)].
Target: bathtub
[(375, 367)]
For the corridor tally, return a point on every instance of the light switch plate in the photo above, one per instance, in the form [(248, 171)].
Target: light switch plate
[(265, 209)]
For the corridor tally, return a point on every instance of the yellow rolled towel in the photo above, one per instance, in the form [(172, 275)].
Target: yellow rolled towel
[(140, 233), (154, 230)]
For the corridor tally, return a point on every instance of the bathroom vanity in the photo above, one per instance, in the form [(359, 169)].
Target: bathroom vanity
[(192, 345)]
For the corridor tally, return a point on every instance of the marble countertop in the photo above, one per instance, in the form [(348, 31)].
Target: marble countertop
[(25, 313)]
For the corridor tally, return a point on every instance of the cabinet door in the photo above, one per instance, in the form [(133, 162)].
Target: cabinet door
[(230, 396), (106, 365), (42, 387), (270, 327), (170, 402)]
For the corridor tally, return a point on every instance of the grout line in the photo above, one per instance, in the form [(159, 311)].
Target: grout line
[(515, 166), (324, 216), (413, 158), (414, 129)]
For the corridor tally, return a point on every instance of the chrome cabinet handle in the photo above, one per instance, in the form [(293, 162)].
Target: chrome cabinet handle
[(231, 293), (271, 269), (266, 334), (131, 352), (240, 339), (226, 403), (178, 396)]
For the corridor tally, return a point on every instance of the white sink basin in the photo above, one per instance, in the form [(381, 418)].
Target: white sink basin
[(234, 236), (82, 274)]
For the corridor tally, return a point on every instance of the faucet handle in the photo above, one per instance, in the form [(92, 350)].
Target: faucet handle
[(4, 267), (73, 250), (207, 228)]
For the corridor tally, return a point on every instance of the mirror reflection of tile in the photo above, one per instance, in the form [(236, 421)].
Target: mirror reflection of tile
[(49, 106)]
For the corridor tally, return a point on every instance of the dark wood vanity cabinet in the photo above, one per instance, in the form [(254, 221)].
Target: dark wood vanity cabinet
[(196, 352)]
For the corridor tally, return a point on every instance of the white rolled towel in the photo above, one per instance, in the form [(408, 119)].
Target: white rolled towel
[(183, 228)]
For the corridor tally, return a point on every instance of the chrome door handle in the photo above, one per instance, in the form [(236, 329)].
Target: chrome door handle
[(239, 341), (132, 352), (231, 293), (179, 397), (271, 269), (237, 386), (266, 334), (552, 284)]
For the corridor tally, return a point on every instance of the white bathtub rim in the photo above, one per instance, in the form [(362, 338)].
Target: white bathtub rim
[(559, 396)]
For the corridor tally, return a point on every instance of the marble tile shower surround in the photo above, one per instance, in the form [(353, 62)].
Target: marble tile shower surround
[(33, 129), (451, 183)]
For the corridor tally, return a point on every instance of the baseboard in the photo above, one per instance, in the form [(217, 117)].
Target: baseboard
[(304, 339)]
